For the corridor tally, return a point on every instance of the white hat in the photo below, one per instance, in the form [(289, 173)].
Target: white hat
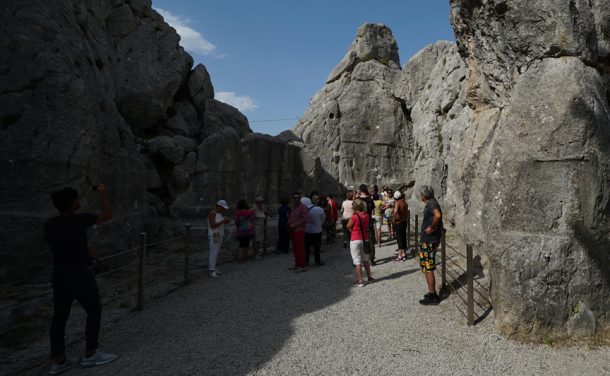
[(222, 203), (397, 195)]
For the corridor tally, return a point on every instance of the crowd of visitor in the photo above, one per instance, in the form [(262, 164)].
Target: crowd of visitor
[(302, 223)]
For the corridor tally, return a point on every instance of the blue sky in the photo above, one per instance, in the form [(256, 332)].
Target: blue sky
[(269, 57)]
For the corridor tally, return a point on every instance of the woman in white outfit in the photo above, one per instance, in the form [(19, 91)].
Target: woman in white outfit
[(216, 229)]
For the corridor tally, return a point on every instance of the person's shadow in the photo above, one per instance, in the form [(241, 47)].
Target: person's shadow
[(397, 275), (231, 325)]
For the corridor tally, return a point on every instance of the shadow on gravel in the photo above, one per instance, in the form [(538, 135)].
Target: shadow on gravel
[(231, 325), (397, 275)]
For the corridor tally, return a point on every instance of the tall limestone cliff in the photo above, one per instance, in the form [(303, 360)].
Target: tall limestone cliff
[(355, 126), (513, 135), (511, 126), (101, 91), (376, 123), (538, 95)]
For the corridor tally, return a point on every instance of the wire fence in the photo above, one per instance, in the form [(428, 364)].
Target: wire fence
[(182, 243), (457, 274)]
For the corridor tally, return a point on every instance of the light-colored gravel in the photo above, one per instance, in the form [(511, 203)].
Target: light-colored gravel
[(261, 319)]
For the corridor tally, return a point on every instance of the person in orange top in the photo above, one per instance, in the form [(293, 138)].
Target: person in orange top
[(401, 216)]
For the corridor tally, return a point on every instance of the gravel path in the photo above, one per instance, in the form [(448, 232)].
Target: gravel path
[(261, 319)]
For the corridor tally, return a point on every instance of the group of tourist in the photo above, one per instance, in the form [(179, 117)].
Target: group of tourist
[(305, 221), (302, 223), (309, 220), (250, 225)]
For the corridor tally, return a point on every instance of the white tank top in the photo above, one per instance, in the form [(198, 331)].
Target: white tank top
[(218, 230)]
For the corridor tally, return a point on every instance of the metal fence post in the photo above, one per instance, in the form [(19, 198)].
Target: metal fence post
[(469, 271), (444, 261), (265, 235), (141, 260), (408, 230), (415, 230), (188, 239)]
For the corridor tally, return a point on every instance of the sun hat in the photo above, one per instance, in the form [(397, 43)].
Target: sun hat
[(222, 203), (397, 195), (259, 199)]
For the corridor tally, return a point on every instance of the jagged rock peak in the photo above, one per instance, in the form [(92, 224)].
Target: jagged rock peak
[(373, 41)]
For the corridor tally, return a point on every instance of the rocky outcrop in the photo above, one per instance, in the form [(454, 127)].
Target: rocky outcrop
[(102, 92), (433, 86), (356, 127), (538, 93), (511, 126)]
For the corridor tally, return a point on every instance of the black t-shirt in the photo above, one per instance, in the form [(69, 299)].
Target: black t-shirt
[(370, 205), (427, 222), (67, 238)]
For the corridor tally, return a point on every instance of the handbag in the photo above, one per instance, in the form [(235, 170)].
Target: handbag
[(367, 243)]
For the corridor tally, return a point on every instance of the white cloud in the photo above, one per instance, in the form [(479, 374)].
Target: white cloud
[(190, 39), (243, 103)]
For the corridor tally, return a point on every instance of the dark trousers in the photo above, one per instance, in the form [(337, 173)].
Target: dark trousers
[(372, 236), (82, 287), (346, 233), (400, 230), (283, 238), (315, 241)]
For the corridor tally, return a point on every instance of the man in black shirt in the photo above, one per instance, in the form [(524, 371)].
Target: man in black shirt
[(73, 277), (431, 232)]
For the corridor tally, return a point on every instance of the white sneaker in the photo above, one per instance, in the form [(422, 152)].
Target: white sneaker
[(56, 369), (97, 359), (213, 274), (218, 272)]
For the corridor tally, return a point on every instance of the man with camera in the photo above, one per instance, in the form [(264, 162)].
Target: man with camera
[(73, 276)]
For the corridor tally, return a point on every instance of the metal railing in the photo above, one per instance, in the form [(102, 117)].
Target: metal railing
[(456, 278), (462, 278), (142, 250)]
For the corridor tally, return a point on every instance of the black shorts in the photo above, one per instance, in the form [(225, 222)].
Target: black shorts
[(244, 240)]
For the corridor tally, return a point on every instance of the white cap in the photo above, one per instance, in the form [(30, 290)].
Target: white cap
[(397, 195), (222, 203)]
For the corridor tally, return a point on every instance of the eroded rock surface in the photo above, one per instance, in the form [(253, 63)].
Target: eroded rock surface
[(102, 92), (538, 92), (355, 125)]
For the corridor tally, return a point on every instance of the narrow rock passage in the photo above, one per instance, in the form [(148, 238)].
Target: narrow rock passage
[(261, 319)]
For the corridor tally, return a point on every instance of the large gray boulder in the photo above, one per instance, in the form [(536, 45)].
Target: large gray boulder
[(148, 70), (548, 198), (200, 87), (232, 167), (62, 122), (373, 42), (525, 31), (538, 171), (355, 126), (433, 86)]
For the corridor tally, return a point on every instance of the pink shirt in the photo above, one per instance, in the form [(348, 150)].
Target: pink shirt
[(356, 231), (298, 214)]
